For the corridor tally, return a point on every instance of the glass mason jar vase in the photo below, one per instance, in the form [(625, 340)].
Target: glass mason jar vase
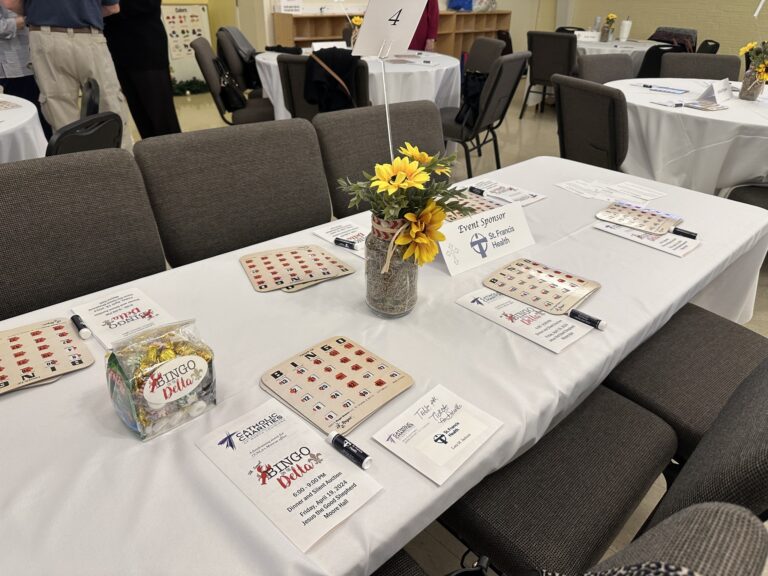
[(751, 87), (606, 34), (393, 293)]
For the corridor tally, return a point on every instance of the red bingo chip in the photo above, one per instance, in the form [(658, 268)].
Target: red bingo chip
[(58, 327), (36, 333), (349, 345), (359, 352), (380, 382), (317, 361), (351, 384), (340, 376), (328, 369), (369, 359), (356, 367), (333, 353), (344, 360), (27, 370)]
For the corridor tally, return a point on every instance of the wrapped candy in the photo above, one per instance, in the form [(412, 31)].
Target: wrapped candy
[(161, 378)]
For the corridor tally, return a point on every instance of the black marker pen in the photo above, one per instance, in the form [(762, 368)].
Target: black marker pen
[(349, 450), (587, 319), (344, 243), (476, 190), (82, 329), (685, 233)]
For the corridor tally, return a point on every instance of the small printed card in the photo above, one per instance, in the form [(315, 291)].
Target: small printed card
[(639, 217), (438, 433), (6, 105), (297, 480), (717, 92), (629, 191), (555, 333), (116, 316), (346, 231), (669, 243), (505, 192)]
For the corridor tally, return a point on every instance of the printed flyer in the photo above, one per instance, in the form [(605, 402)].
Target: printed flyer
[(287, 469), (438, 433)]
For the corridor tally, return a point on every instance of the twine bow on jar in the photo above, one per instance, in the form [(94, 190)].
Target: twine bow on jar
[(388, 230)]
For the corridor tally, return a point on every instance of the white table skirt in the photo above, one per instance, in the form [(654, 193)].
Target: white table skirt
[(635, 48), (704, 151), (82, 496), (21, 135), (438, 82)]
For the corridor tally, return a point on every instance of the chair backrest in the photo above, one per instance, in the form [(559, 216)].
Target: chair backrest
[(498, 91), (346, 35), (651, 66), (293, 72), (90, 101), (73, 225), (706, 66), (730, 464), (591, 122), (602, 68), (348, 150), (483, 53), (569, 29), (685, 37), (708, 47), (713, 539), (755, 194), (227, 50), (205, 60), (551, 53), (95, 132), (214, 191)]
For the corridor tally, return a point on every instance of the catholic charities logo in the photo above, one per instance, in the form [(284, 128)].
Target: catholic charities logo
[(247, 434)]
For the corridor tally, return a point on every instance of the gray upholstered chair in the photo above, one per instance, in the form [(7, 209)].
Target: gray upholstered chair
[(602, 68), (730, 464), (218, 190), (755, 194), (651, 66), (551, 53), (685, 37), (713, 539), (72, 225), (228, 38), (706, 66), (97, 132), (560, 505), (293, 70), (483, 53), (348, 151), (686, 372), (591, 122), (256, 109), (473, 134)]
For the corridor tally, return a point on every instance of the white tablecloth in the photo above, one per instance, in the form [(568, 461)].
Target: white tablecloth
[(21, 135), (703, 151), (635, 48), (439, 81), (82, 496)]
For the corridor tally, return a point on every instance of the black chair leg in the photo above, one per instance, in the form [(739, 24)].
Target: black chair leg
[(468, 158), (478, 147), (525, 100), (496, 149)]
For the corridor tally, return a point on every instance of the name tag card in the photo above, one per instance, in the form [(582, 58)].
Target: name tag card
[(717, 92), (484, 237), (388, 27)]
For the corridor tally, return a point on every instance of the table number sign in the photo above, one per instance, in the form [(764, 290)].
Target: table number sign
[(484, 237), (717, 92), (388, 27)]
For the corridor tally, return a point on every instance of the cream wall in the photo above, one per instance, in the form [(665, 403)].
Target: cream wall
[(730, 22)]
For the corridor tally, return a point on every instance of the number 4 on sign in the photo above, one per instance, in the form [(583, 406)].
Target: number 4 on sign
[(396, 17), (388, 27)]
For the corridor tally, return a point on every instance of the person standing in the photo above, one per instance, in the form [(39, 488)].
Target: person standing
[(139, 46), (68, 48), (16, 75), (426, 32)]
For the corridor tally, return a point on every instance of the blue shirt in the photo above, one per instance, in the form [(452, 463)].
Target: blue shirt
[(14, 47), (66, 13)]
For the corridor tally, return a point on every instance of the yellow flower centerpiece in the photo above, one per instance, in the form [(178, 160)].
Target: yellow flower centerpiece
[(757, 74), (606, 33), (356, 22), (408, 199)]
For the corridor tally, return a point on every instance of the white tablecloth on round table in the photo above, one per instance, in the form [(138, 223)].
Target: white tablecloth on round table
[(704, 151), (439, 81), (21, 135), (635, 48), (81, 496)]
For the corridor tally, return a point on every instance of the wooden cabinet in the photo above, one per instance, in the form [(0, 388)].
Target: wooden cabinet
[(456, 32)]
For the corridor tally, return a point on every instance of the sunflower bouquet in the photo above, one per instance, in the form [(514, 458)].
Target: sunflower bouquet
[(356, 21), (409, 197), (757, 74), (610, 20)]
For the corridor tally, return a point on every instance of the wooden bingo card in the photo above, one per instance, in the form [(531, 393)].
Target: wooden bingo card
[(545, 288), (336, 384), (288, 269), (639, 218), (38, 353), (477, 203)]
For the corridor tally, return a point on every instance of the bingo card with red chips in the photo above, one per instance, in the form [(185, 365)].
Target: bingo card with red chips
[(288, 269), (477, 203), (538, 285), (335, 384), (38, 353), (639, 218)]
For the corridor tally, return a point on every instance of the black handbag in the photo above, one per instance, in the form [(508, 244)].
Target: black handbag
[(471, 88), (479, 569), (231, 94)]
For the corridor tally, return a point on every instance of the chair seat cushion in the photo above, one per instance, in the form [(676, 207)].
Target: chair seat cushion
[(256, 110), (401, 564), (451, 129), (560, 505), (755, 195), (687, 371)]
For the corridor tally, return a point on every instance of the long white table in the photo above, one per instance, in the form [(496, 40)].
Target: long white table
[(704, 151), (438, 80), (635, 48), (82, 496), (21, 135)]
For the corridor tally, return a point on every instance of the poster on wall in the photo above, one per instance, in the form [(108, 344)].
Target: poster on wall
[(183, 24)]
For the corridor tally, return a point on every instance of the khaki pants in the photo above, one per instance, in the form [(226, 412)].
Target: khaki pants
[(63, 62)]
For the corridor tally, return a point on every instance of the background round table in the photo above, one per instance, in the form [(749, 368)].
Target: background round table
[(431, 76), (704, 151), (21, 135), (635, 48)]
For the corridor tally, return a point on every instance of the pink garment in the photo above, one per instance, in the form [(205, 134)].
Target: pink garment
[(427, 28)]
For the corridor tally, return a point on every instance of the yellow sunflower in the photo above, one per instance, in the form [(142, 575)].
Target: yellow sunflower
[(357, 21), (400, 175), (441, 169), (423, 234), (414, 153), (747, 48)]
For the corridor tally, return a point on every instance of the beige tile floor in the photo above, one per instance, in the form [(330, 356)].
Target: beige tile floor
[(435, 549)]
